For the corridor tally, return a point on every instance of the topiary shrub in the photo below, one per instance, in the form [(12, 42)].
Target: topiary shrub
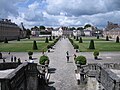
[(50, 38), (77, 39), (75, 46), (30, 53), (81, 60), (44, 60), (53, 37), (46, 41), (107, 38), (18, 39), (74, 37), (96, 54), (35, 45), (80, 41), (97, 37), (5, 41), (117, 39), (91, 46)]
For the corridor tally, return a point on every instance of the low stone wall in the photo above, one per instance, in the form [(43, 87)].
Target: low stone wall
[(103, 74), (8, 65)]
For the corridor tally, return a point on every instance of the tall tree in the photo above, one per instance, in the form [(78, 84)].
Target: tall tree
[(87, 25), (42, 27)]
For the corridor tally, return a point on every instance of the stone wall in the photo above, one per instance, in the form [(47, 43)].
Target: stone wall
[(24, 77)]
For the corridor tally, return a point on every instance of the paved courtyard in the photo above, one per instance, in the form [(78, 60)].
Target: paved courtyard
[(63, 73)]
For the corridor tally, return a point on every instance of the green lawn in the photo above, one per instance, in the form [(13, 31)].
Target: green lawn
[(100, 44), (24, 45)]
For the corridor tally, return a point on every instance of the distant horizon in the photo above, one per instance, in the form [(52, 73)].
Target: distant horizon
[(57, 13)]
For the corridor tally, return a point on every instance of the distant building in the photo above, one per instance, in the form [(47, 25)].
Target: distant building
[(112, 30), (10, 30), (57, 32)]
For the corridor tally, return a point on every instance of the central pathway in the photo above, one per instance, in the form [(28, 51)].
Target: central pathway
[(62, 73)]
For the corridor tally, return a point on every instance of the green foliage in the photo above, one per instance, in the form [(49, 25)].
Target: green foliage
[(49, 46), (80, 41), (87, 25), (81, 60), (46, 41), (30, 53), (74, 37), (5, 41), (53, 37), (107, 38), (18, 39), (77, 39), (42, 27), (43, 59), (50, 38), (91, 46), (117, 39), (96, 53), (35, 45), (75, 46), (97, 37)]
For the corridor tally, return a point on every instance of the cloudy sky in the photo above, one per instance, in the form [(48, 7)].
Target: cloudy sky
[(61, 12)]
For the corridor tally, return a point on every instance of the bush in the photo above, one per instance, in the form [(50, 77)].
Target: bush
[(18, 39), (5, 41), (35, 45), (117, 39), (43, 59), (97, 37), (30, 53), (77, 39), (91, 46), (74, 37), (53, 37), (75, 46), (81, 60), (80, 41), (46, 41), (96, 53), (50, 38), (49, 46), (107, 38)]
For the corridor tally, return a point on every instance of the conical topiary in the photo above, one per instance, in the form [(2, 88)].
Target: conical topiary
[(46, 41), (77, 39), (35, 45), (80, 41), (50, 38), (117, 39), (97, 37), (5, 41), (91, 46), (53, 37), (107, 38), (18, 39), (74, 37)]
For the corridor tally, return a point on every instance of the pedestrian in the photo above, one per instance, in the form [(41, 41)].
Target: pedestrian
[(15, 58), (67, 53), (74, 56), (12, 58), (3, 59), (67, 58)]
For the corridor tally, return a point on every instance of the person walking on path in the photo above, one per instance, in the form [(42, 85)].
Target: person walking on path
[(67, 53), (67, 56)]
